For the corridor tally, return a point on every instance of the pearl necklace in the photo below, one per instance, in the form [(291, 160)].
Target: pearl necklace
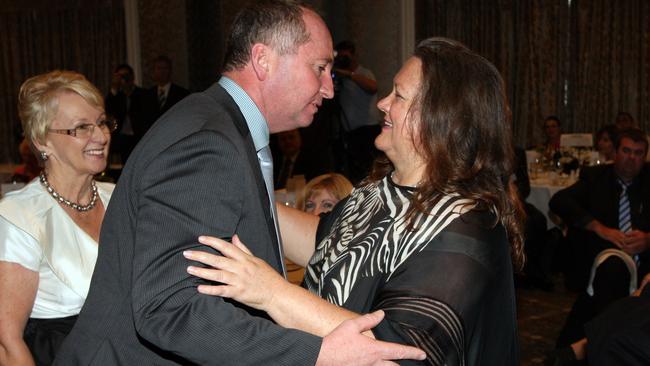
[(60, 199)]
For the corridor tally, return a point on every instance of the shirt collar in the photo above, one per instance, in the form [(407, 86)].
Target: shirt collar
[(254, 119)]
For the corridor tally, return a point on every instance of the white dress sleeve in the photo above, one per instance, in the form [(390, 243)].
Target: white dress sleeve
[(17, 246)]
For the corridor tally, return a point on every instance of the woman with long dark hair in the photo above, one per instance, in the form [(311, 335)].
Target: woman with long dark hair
[(430, 237)]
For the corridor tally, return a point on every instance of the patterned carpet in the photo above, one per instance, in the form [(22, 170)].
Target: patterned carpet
[(541, 314)]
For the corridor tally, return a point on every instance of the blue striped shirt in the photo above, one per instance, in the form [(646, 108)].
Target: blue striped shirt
[(254, 118)]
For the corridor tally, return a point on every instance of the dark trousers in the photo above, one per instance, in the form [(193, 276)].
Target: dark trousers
[(621, 335), (122, 145), (45, 336), (611, 283)]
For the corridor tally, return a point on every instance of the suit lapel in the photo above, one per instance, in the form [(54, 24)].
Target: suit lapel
[(251, 156)]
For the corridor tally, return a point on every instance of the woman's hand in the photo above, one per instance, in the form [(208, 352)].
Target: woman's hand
[(243, 276)]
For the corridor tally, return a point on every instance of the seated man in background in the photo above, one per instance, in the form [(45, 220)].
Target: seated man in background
[(290, 160), (605, 209)]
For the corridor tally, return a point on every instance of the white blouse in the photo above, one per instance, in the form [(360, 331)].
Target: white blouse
[(38, 234)]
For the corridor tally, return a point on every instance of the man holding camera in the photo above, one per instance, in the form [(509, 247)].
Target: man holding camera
[(357, 97)]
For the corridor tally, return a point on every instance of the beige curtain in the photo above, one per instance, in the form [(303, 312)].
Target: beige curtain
[(484, 26), (37, 36), (583, 61), (526, 40), (611, 62), (538, 77)]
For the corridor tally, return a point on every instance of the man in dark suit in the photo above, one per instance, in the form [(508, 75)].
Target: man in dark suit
[(205, 177), (607, 208), (125, 102), (162, 96), (289, 160)]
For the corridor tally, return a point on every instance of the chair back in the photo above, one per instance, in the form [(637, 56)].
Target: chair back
[(602, 256), (576, 140)]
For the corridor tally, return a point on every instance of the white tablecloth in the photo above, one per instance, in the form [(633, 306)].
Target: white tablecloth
[(541, 191)]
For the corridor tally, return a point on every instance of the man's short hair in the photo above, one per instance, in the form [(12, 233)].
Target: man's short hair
[(633, 134), (553, 118), (163, 58), (275, 23), (124, 67)]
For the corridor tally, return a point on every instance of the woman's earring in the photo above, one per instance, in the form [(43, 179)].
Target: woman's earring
[(44, 156)]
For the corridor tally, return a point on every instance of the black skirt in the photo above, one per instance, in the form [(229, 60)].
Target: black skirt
[(45, 336)]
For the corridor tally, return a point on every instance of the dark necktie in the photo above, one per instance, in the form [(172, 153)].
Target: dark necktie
[(266, 163), (162, 98), (624, 218)]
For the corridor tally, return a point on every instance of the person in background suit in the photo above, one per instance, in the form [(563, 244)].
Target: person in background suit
[(164, 94), (590, 208), (290, 160), (125, 103), (209, 177)]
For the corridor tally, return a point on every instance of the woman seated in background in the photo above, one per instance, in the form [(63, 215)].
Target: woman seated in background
[(318, 196), (322, 193), (430, 236), (49, 229), (605, 138), (553, 134)]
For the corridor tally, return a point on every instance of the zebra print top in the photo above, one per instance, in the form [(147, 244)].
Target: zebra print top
[(434, 284)]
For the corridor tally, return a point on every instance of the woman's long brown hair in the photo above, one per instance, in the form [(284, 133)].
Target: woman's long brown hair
[(464, 135)]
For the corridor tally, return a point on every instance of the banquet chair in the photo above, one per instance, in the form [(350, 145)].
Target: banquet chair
[(576, 140)]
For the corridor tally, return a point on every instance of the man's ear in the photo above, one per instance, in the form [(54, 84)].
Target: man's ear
[(261, 60)]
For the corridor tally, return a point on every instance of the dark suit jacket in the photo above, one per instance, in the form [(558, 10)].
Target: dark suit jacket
[(117, 107), (143, 308), (153, 110), (595, 196), (302, 166)]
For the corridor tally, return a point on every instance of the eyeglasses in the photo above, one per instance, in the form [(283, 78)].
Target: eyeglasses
[(86, 130)]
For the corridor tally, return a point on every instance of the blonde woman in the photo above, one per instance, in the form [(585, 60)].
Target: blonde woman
[(49, 229), (322, 193)]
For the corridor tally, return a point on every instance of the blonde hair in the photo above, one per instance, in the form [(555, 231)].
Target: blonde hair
[(38, 101), (336, 184)]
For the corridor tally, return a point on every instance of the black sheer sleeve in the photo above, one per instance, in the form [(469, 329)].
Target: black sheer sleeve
[(437, 301)]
